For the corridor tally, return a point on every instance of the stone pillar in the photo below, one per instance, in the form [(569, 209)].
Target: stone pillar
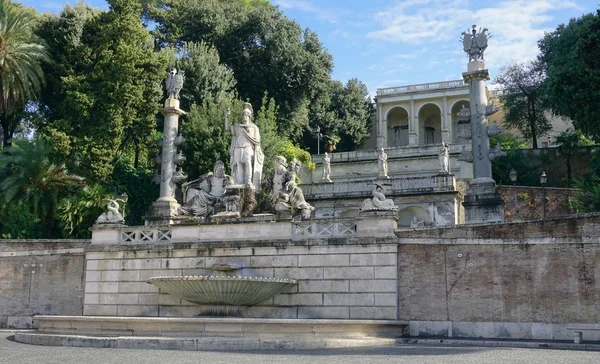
[(413, 127), (446, 129), (380, 130), (166, 206), (482, 202)]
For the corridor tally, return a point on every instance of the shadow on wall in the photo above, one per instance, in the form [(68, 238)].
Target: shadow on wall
[(405, 217)]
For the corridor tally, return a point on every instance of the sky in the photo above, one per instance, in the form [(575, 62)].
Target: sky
[(388, 43)]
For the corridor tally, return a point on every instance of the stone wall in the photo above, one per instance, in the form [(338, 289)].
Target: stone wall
[(527, 280), (529, 200), (337, 278), (40, 277)]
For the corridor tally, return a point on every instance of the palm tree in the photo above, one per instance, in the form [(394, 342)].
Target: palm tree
[(21, 55), (28, 176)]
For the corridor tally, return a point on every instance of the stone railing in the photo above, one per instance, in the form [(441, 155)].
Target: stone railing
[(434, 86), (323, 229), (145, 235), (394, 187)]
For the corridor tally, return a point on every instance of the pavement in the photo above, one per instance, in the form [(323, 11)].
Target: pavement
[(13, 352)]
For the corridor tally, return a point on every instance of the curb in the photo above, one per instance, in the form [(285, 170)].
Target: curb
[(502, 343), (193, 343)]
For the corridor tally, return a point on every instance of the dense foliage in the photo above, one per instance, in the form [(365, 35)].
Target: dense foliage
[(570, 57), (522, 96)]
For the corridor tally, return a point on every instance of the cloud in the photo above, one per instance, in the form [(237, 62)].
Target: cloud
[(516, 25), (304, 6)]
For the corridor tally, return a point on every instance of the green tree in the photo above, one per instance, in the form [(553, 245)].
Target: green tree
[(106, 87), (21, 56), (569, 142), (570, 57), (266, 51), (588, 198), (522, 95), (29, 176)]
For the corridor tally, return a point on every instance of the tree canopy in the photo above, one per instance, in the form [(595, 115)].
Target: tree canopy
[(570, 57), (522, 96)]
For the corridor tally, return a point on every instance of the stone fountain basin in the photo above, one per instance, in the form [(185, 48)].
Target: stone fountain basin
[(222, 290)]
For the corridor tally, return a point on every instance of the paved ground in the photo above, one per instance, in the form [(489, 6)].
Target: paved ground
[(13, 352)]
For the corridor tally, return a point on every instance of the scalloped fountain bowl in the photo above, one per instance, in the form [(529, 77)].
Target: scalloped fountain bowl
[(222, 290)]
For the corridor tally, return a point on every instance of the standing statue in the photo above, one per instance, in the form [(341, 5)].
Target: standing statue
[(276, 182), (246, 156), (474, 44), (326, 168), (444, 157), (175, 83), (382, 163), (201, 195)]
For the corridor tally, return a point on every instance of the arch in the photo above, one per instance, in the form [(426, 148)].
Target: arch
[(459, 123), (397, 127), (439, 106), (395, 107), (406, 215), (430, 123)]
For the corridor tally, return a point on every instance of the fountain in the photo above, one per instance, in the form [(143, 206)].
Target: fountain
[(225, 291)]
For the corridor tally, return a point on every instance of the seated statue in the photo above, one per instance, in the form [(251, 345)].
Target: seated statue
[(291, 198), (201, 195), (378, 201)]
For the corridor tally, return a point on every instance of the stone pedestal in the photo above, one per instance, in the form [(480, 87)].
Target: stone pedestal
[(376, 223), (483, 203), (162, 212)]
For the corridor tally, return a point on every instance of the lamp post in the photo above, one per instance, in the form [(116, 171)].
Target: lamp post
[(319, 135), (543, 180), (513, 179)]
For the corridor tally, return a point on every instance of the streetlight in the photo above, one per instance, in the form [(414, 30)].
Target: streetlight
[(319, 135), (543, 180), (513, 179)]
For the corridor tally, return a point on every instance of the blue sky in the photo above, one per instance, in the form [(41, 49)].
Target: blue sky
[(387, 43)]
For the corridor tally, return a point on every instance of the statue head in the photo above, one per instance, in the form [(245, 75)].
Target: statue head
[(280, 164), (219, 169), (247, 113)]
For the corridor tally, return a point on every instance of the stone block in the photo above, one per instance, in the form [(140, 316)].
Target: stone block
[(148, 299), (142, 264), (168, 300), (373, 259), (373, 285), (260, 272), (349, 273), (147, 274), (348, 299), (99, 310), (298, 299), (271, 312), (103, 255), (109, 264), (386, 272), (19, 322), (326, 260), (137, 287), (386, 299), (91, 299), (324, 286), (235, 261), (299, 273), (120, 275), (183, 263), (137, 310), (102, 287), (274, 261), (93, 276), (321, 312)]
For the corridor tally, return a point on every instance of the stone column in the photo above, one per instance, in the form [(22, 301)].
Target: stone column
[(166, 206), (380, 130), (444, 121), (413, 128), (482, 202), (386, 136)]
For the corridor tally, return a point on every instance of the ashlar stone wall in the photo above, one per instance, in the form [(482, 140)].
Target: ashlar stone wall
[(344, 279)]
